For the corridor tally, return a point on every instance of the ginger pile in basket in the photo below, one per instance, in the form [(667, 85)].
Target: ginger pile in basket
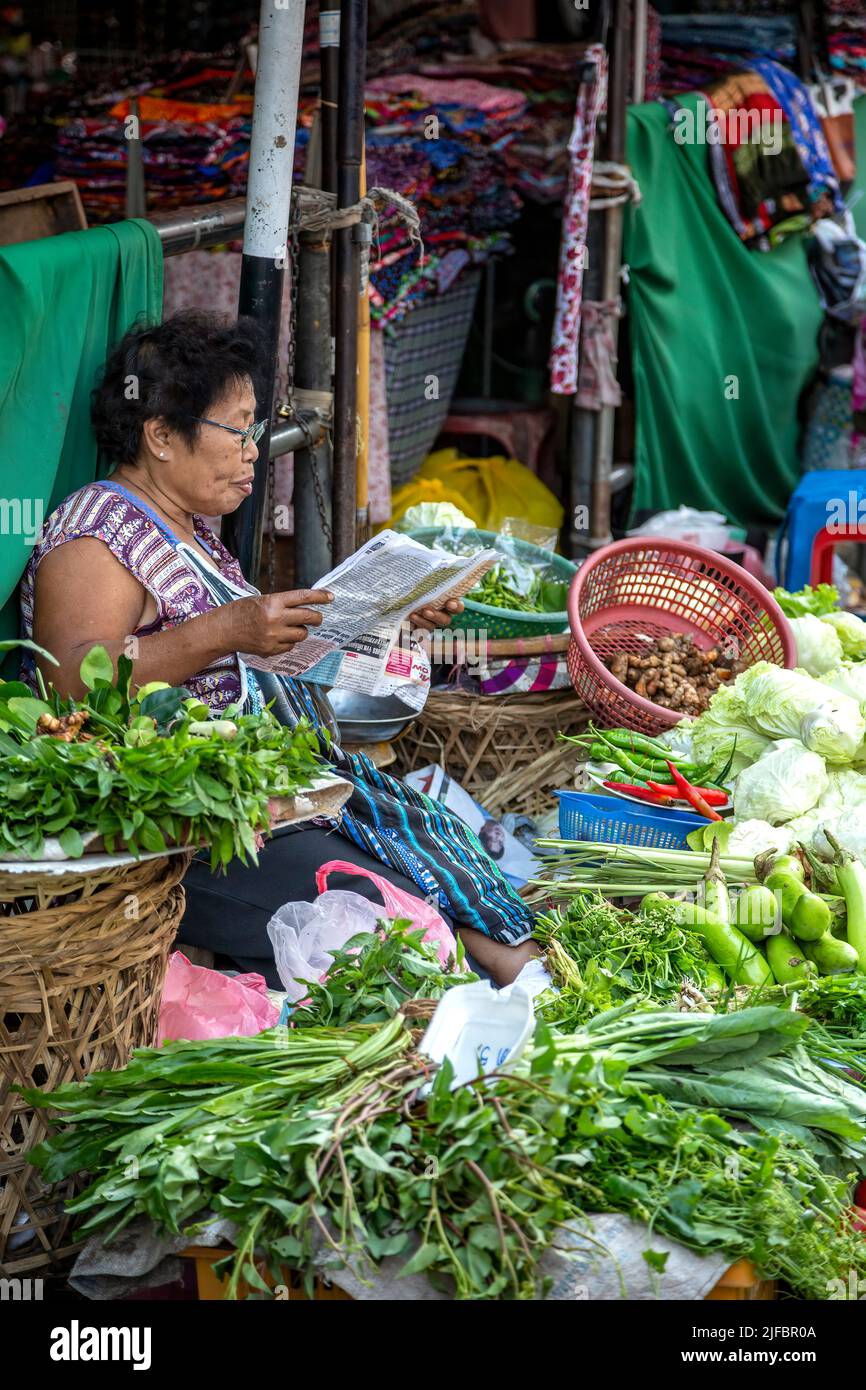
[(674, 672)]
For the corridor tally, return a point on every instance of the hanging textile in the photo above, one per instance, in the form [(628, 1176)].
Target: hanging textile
[(597, 384), (591, 99), (723, 340), (67, 300), (761, 181), (806, 127), (378, 455)]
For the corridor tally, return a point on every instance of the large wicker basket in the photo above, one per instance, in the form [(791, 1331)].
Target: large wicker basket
[(502, 749), (82, 963)]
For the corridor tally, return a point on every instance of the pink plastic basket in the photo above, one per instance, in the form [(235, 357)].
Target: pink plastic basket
[(639, 588)]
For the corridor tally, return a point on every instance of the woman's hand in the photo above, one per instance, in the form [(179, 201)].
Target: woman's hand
[(274, 623), (430, 618)]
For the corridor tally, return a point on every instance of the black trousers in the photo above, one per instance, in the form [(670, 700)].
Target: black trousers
[(229, 913)]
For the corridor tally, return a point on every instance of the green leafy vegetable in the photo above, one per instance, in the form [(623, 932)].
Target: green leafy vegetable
[(313, 1143), (375, 973), (136, 774), (822, 599), (600, 956)]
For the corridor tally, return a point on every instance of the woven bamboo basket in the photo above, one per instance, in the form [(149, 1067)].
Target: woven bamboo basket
[(82, 963), (502, 749)]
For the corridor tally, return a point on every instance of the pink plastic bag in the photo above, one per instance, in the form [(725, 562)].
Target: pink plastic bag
[(200, 1003), (399, 903)]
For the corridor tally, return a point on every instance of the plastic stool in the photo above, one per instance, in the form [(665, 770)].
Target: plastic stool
[(526, 432), (807, 539)]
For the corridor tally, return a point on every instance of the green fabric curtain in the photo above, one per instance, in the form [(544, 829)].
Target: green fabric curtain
[(723, 338), (66, 301)]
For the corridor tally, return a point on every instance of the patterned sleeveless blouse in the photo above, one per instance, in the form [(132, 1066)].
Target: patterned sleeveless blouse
[(134, 536)]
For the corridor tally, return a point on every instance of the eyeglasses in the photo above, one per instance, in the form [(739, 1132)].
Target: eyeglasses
[(251, 435)]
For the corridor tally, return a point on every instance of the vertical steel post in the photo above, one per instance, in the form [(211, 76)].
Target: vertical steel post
[(312, 489), (350, 144), (329, 67), (263, 268), (615, 152)]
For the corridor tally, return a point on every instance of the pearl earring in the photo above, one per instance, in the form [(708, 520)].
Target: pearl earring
[(162, 456)]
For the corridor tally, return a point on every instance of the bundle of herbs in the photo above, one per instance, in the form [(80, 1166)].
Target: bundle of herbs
[(142, 770), (619, 870), (599, 955), (374, 975), (509, 587), (315, 1146), (759, 1064)]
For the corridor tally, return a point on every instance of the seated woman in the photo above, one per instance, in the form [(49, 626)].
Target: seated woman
[(129, 563)]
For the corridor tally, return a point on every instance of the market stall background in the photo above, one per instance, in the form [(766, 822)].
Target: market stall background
[(489, 191)]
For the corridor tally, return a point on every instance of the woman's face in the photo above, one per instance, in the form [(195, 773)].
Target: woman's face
[(216, 474)]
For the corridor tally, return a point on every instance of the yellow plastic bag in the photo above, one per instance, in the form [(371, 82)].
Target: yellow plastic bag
[(425, 490), (488, 490)]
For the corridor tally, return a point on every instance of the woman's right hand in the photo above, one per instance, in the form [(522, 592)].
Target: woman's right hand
[(273, 623)]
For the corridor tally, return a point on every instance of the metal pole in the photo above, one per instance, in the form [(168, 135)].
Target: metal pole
[(311, 494), (193, 228), (136, 194), (362, 463), (329, 67), (269, 192), (584, 421), (350, 139), (600, 532), (312, 487), (285, 439)]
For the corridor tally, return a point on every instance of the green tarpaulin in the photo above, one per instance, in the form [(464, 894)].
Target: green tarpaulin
[(66, 301), (723, 338)]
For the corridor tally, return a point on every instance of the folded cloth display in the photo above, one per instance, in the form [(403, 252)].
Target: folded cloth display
[(768, 156), (846, 22), (758, 174), (184, 161), (699, 47)]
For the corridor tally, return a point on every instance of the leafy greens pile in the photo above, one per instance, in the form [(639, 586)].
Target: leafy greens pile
[(373, 976), (599, 956), (141, 770), (313, 1142)]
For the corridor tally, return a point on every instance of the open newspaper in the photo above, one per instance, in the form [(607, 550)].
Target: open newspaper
[(375, 590)]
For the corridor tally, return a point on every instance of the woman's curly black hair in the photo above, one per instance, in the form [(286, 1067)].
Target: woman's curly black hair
[(175, 370)]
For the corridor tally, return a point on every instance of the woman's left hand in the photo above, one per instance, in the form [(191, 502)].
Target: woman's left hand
[(430, 618)]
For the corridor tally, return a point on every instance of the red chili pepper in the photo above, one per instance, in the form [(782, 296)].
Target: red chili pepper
[(643, 793), (692, 795), (857, 1217), (860, 1194), (712, 796)]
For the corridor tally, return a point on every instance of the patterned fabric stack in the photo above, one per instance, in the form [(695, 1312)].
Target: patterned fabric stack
[(846, 22), (184, 162), (701, 48), (438, 148), (195, 142)]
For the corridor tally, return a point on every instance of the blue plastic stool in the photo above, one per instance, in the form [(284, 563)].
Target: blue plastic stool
[(810, 508)]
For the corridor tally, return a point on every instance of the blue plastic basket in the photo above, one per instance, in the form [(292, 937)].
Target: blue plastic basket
[(614, 821)]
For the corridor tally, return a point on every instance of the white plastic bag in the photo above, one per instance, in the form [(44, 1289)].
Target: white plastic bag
[(306, 935), (710, 529)]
